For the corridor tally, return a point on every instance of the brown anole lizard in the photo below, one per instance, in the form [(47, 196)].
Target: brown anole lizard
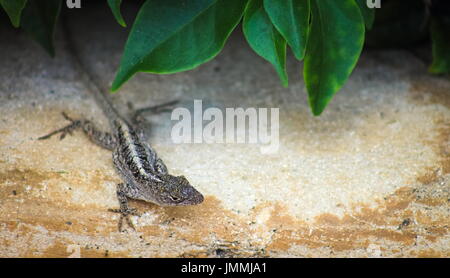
[(145, 176)]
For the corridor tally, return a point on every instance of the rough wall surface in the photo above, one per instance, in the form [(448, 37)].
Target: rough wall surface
[(368, 178)]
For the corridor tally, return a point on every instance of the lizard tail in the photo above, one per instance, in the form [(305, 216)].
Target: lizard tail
[(99, 93)]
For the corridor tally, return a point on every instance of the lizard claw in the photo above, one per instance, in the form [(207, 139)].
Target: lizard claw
[(127, 211), (67, 117), (65, 130), (125, 214)]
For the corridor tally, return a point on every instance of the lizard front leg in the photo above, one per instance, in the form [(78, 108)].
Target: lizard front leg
[(124, 191), (137, 117), (103, 139), (140, 123)]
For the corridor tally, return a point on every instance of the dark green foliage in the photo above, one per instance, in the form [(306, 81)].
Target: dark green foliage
[(440, 35), (334, 45), (169, 36), (264, 38), (39, 18), (174, 35), (115, 8), (14, 10)]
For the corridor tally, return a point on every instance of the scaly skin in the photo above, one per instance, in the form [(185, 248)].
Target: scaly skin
[(144, 174)]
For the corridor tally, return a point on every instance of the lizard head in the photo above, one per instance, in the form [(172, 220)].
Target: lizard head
[(177, 191)]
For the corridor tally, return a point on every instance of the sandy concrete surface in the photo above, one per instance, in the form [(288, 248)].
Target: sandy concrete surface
[(368, 178)]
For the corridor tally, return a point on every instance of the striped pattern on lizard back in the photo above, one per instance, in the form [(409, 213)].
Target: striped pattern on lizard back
[(138, 156)]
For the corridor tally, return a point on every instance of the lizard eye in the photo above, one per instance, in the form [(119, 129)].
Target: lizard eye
[(174, 198)]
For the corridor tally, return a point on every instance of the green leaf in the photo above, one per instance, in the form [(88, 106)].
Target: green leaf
[(175, 35), (367, 13), (264, 38), (291, 18), (14, 9), (335, 42), (440, 36), (115, 8), (39, 20)]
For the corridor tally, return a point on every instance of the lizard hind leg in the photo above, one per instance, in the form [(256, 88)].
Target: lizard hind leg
[(65, 130), (102, 139), (124, 210)]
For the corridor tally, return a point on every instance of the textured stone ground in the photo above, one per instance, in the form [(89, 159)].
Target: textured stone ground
[(368, 178)]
